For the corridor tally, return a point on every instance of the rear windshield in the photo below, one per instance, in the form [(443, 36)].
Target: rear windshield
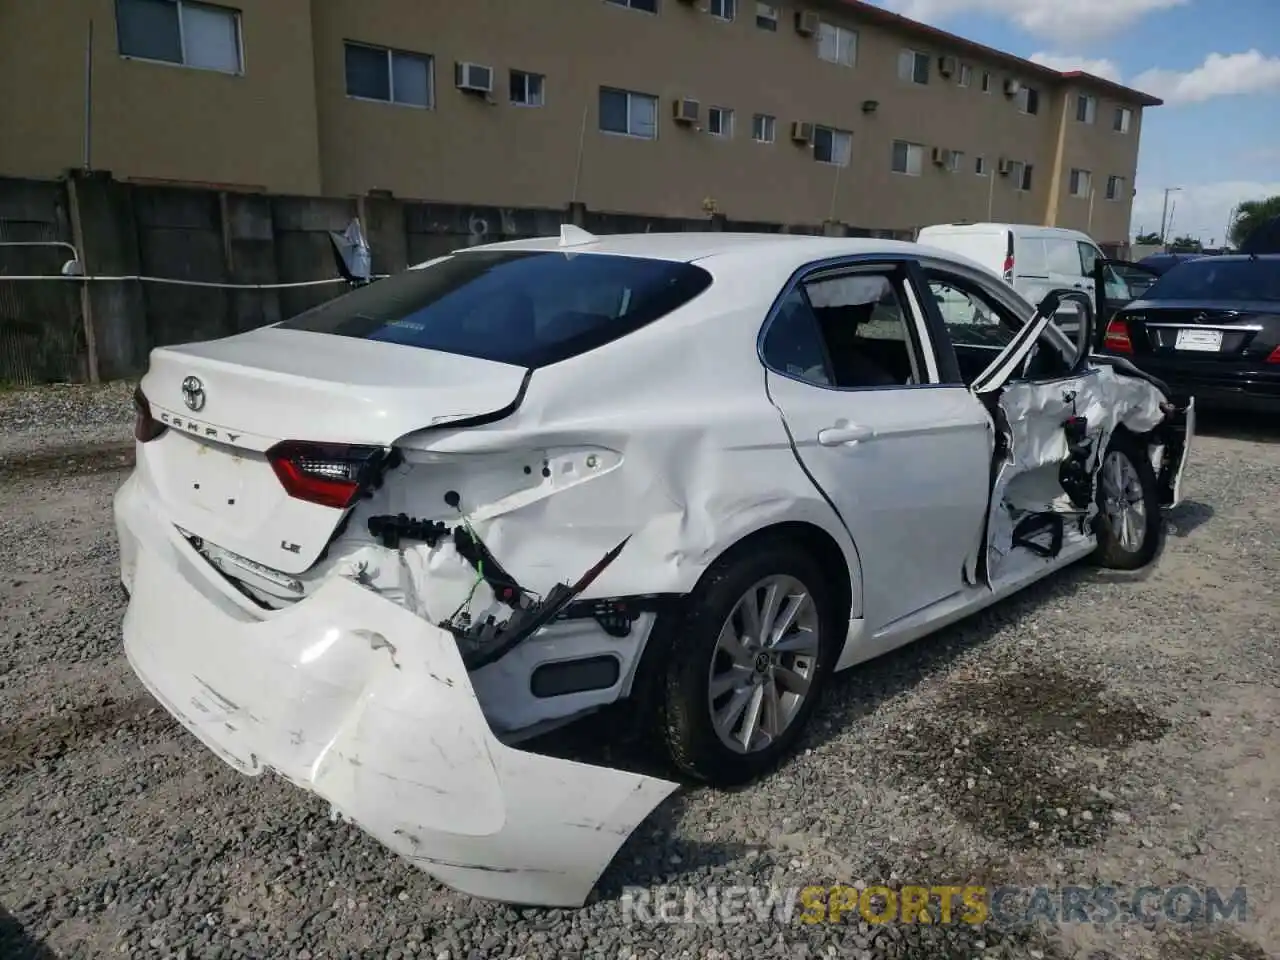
[(524, 308), (1214, 279)]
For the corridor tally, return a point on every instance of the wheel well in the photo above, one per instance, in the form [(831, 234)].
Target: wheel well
[(815, 541)]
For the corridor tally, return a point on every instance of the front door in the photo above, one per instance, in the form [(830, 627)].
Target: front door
[(904, 459)]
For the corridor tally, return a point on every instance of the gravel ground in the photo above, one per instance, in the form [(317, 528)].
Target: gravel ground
[(1097, 729)]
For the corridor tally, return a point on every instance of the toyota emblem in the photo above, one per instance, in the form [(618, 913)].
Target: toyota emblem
[(193, 393)]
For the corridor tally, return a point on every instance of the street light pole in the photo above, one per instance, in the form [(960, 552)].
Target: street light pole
[(1164, 213)]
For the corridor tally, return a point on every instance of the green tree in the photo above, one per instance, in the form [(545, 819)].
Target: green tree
[(1148, 239), (1186, 245), (1250, 215)]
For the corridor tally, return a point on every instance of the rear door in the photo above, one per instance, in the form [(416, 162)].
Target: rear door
[(881, 422)]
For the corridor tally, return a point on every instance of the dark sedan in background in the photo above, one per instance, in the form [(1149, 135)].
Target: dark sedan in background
[(1209, 327)]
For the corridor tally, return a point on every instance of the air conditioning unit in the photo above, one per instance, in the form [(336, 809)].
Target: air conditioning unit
[(473, 77), (1012, 88), (806, 22), (1004, 167), (684, 110), (941, 156), (946, 66), (802, 131)]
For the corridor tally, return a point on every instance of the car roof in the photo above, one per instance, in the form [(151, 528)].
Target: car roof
[(987, 227), (794, 250)]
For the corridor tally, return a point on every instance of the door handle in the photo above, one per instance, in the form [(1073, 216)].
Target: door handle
[(844, 435)]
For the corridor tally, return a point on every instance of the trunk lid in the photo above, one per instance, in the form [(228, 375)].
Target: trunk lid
[(1195, 330), (228, 402)]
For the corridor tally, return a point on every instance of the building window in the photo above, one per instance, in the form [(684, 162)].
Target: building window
[(648, 6), (723, 9), (980, 166), (832, 146), (1086, 108), (966, 75), (767, 16), (837, 44), (955, 160), (527, 89), (632, 114), (1029, 100), (986, 81), (908, 158), (1115, 188), (913, 66), (392, 76), (720, 122), (1081, 183), (177, 31), (1020, 173), (764, 128), (1123, 120)]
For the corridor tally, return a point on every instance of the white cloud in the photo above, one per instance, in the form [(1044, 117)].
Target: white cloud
[(1221, 75), (1063, 63), (1071, 21), (1199, 211)]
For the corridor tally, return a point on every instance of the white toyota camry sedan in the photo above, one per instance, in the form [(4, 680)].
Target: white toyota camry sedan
[(682, 477)]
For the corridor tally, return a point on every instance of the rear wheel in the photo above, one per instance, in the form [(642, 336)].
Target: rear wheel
[(746, 668), (1129, 520)]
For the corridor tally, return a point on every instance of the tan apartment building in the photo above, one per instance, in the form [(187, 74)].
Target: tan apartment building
[(795, 112)]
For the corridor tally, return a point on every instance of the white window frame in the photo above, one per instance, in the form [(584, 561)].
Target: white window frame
[(953, 165), (836, 134), (630, 5), (845, 40), (764, 128), (766, 14), (908, 60), (1090, 108), (725, 115), (987, 79), (1125, 116), (237, 19), (1080, 183), (966, 76), (914, 150), (1024, 170), (1118, 183), (726, 10), (1024, 101), (631, 95), (391, 76), (980, 166), (527, 76)]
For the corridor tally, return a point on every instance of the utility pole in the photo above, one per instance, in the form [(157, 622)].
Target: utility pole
[(1164, 213)]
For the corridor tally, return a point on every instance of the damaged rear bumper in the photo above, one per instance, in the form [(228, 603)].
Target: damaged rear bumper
[(354, 698)]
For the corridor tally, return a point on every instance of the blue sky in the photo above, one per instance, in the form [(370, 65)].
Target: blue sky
[(1216, 64)]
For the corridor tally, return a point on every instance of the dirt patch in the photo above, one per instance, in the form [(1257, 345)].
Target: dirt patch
[(1015, 766), (25, 743), (1220, 944), (68, 461)]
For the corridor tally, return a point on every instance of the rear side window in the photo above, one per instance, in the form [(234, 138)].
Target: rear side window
[(528, 308), (1214, 279)]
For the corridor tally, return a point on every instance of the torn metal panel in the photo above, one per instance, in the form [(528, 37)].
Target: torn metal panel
[(1029, 480), (336, 685)]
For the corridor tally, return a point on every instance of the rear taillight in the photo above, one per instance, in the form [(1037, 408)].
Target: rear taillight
[(1116, 338), (1275, 356), (145, 427), (1008, 269), (329, 474)]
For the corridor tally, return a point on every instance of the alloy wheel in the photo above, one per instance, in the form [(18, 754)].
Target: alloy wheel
[(1123, 501), (764, 663)]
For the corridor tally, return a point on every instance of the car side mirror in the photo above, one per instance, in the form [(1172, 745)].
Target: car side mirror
[(1053, 302)]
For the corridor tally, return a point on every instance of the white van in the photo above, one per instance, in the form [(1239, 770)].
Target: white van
[(1034, 260)]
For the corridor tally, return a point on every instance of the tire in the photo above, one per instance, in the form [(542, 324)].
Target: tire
[(1117, 550), (694, 659)]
